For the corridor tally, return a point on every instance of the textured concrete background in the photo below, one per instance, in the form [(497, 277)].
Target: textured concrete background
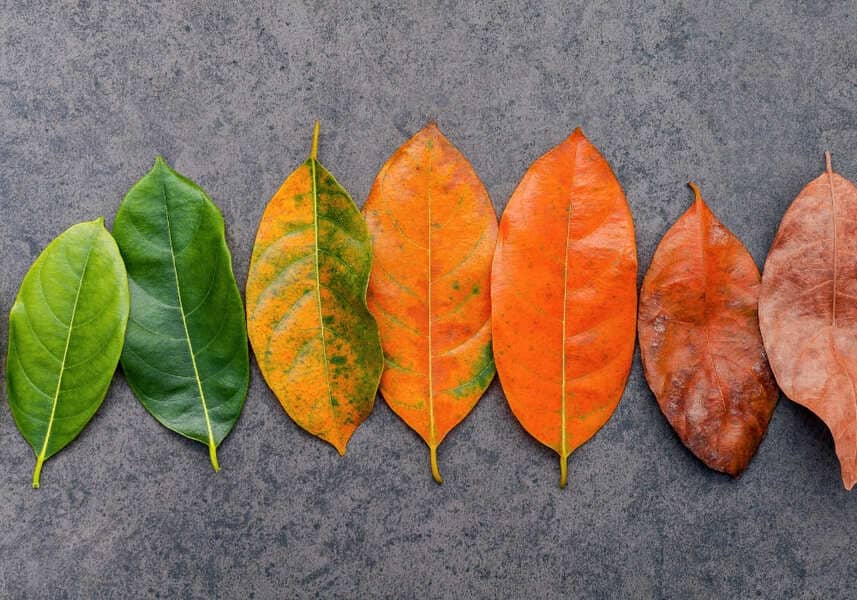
[(741, 97)]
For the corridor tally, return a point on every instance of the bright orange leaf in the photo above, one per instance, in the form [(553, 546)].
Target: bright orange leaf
[(564, 296), (433, 229)]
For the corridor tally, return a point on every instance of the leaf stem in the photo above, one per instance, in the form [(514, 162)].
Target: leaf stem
[(563, 471), (697, 196), (435, 472), (827, 161), (212, 454), (40, 460), (313, 153)]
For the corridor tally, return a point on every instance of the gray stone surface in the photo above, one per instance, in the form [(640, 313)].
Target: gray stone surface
[(741, 97)]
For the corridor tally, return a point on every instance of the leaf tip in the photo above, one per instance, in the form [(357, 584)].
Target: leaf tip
[(576, 137), (432, 130), (159, 161), (341, 448)]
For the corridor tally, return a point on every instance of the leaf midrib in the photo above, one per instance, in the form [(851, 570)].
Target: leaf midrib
[(212, 447), (703, 250), (432, 421), (563, 450), (833, 326), (315, 218), (40, 458)]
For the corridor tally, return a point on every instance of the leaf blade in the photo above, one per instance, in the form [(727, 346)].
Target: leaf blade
[(565, 250), (67, 333), (700, 342), (434, 230), (186, 355), (306, 307), (806, 309)]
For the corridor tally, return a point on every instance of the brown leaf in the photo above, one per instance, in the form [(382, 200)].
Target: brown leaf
[(808, 308), (700, 342)]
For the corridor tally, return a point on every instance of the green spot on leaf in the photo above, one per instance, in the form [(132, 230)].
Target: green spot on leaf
[(481, 376)]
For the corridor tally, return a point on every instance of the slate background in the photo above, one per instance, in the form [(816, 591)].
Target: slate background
[(741, 97)]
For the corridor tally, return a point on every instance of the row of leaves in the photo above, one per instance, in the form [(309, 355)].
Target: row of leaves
[(553, 288)]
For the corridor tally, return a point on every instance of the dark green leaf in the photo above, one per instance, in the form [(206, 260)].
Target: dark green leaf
[(65, 336), (185, 353)]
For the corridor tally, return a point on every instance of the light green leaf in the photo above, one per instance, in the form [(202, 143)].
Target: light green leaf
[(65, 336)]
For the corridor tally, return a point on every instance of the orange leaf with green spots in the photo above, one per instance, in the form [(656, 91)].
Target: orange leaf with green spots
[(434, 229), (564, 296), (314, 339)]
